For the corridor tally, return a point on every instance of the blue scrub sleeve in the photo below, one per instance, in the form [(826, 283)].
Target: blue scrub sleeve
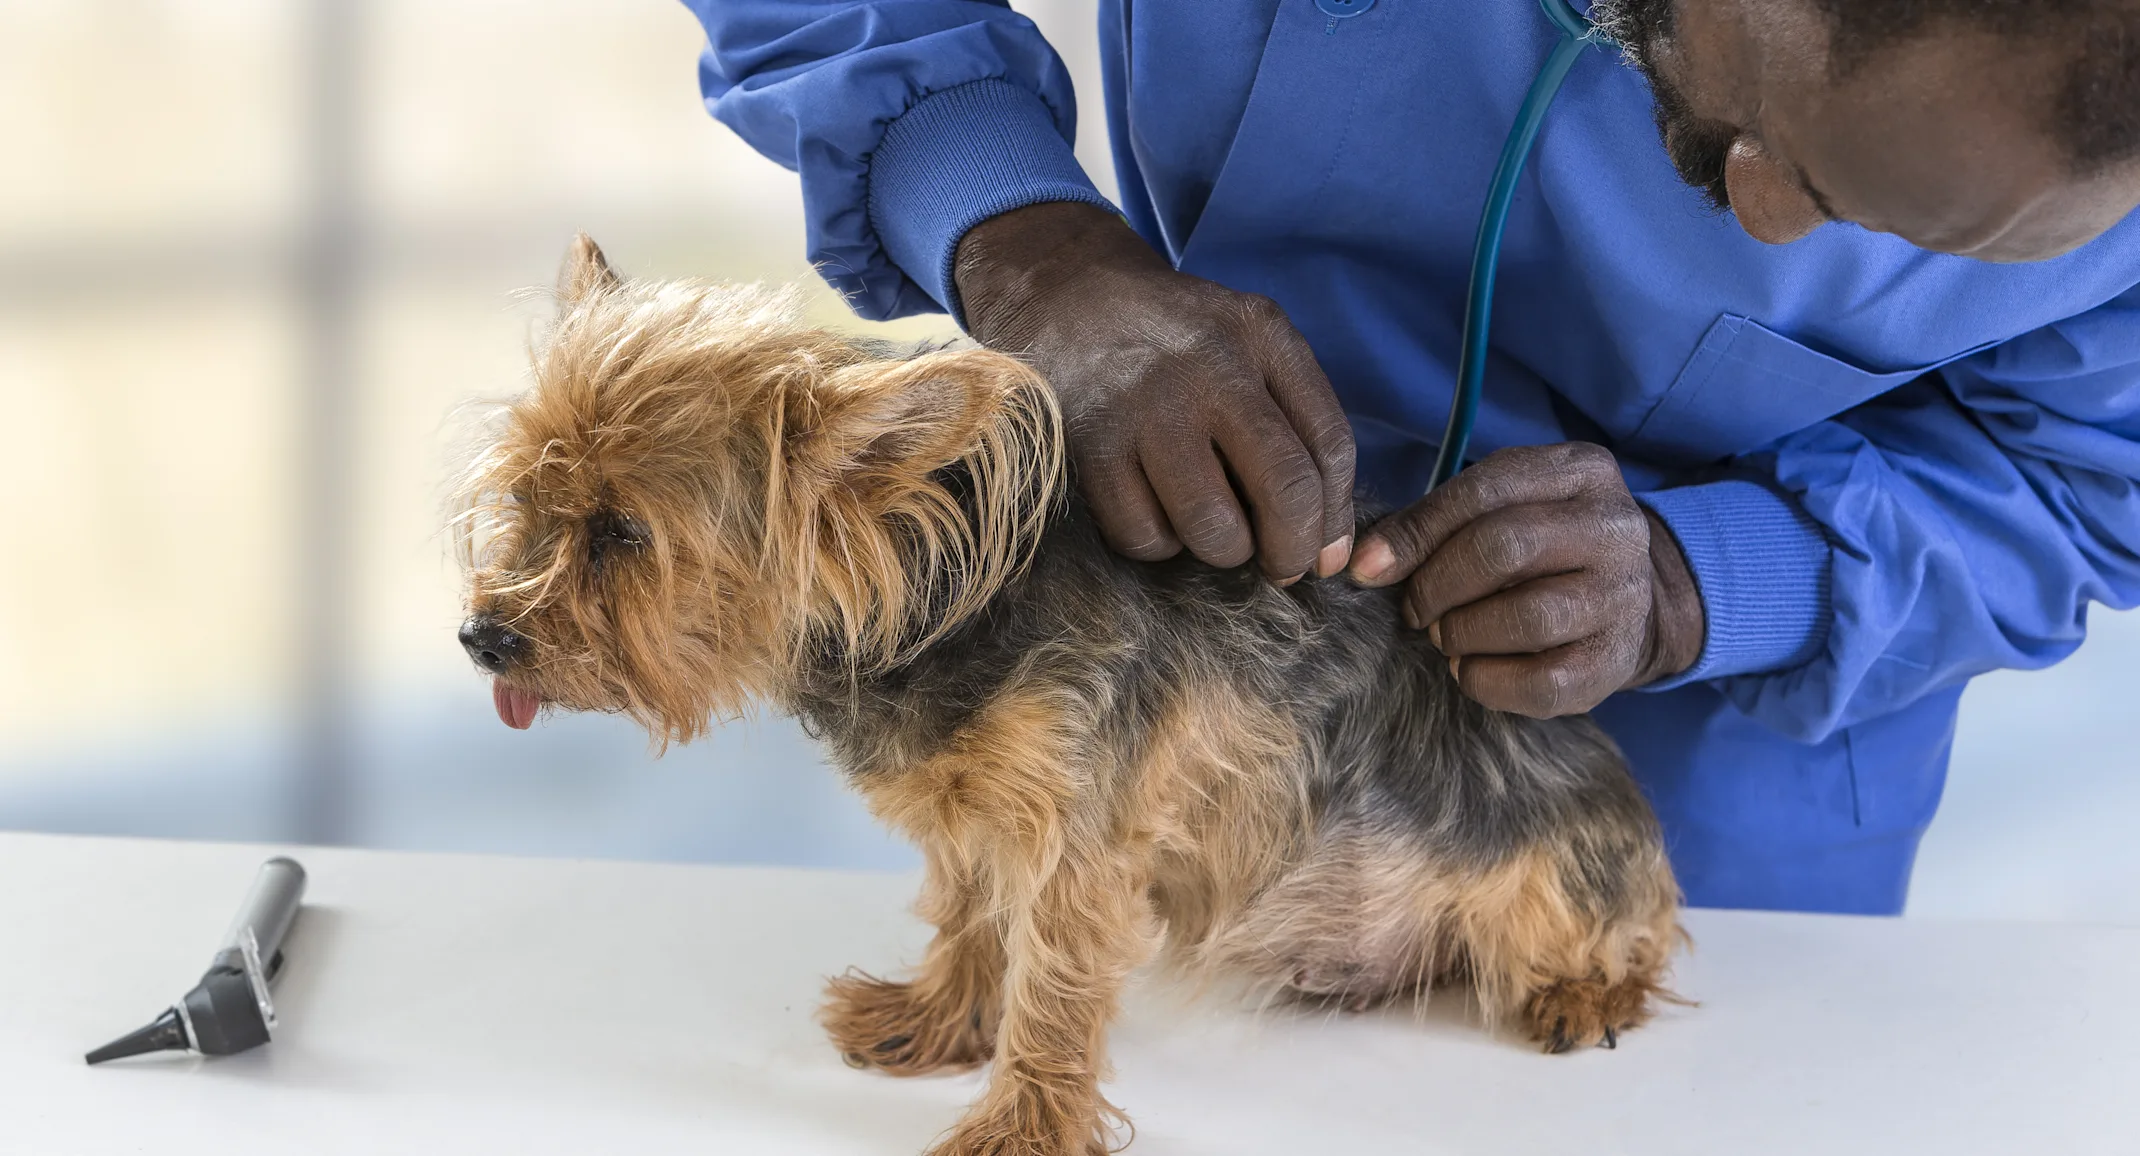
[(909, 121), (1958, 525), (1763, 568)]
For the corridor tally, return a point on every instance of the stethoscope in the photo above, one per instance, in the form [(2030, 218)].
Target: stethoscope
[(1576, 34)]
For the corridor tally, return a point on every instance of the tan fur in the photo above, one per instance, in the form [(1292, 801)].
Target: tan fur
[(805, 461), (1364, 921), (778, 484), (947, 1016), (1010, 812), (1219, 798)]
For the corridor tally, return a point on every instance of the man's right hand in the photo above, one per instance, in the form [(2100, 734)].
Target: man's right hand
[(1184, 400)]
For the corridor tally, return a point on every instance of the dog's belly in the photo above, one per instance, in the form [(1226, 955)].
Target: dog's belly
[(1257, 873), (1363, 918)]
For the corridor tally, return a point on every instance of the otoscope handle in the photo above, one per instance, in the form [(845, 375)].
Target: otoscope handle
[(267, 911)]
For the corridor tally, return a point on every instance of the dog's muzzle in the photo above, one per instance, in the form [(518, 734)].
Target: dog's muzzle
[(493, 645)]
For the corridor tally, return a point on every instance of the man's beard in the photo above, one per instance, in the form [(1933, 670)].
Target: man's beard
[(1696, 147)]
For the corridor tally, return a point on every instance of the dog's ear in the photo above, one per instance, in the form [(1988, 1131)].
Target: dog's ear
[(886, 532), (586, 271), (906, 417)]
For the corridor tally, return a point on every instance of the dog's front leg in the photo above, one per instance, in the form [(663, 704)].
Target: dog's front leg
[(945, 1017), (1073, 930), (1017, 803)]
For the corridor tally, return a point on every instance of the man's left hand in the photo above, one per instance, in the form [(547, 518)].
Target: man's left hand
[(1542, 579)]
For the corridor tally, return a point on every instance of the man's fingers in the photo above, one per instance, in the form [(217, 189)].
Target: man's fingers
[(1129, 514), (1499, 550), (1199, 501), (1280, 480), (1303, 394), (1519, 476), (1518, 544), (1536, 616), (1565, 680)]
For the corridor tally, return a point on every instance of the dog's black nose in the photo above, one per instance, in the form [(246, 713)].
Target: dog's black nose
[(491, 643)]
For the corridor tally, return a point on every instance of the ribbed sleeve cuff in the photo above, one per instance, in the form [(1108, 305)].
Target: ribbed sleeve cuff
[(957, 158), (1763, 568)]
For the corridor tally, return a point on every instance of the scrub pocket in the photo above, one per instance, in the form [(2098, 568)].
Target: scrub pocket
[(1747, 385)]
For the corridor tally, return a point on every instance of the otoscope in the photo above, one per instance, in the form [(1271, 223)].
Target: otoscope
[(229, 1010)]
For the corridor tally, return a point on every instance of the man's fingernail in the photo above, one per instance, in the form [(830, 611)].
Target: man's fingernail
[(1434, 633), (1456, 671), (1411, 616), (1333, 557), (1373, 560), (1284, 582)]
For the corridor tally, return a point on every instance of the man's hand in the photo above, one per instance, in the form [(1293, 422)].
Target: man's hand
[(1184, 400), (1544, 582)]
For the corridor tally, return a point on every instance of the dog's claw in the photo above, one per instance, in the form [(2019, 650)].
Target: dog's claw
[(1560, 1041), (893, 1044), (1611, 1040), (855, 1059)]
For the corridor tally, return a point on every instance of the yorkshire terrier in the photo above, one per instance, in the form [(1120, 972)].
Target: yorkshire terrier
[(705, 502)]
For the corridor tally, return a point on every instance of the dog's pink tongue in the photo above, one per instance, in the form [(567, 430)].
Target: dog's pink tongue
[(516, 707)]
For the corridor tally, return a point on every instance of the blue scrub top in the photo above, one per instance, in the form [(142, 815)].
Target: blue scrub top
[(1890, 470)]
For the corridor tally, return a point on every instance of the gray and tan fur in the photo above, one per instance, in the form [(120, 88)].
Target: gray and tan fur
[(704, 502)]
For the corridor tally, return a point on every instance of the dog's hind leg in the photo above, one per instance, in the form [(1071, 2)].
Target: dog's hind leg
[(1570, 941), (1574, 967), (943, 1018)]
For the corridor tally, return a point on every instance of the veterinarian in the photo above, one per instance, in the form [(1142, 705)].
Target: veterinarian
[(1794, 421)]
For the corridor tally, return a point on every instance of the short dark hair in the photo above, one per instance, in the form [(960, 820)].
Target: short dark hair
[(2096, 114)]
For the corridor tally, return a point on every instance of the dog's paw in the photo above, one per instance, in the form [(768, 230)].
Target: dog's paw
[(1024, 1131), (1577, 1013), (1015, 1146), (897, 1028)]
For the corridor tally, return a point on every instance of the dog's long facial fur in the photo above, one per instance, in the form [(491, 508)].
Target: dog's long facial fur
[(704, 501), (811, 473)]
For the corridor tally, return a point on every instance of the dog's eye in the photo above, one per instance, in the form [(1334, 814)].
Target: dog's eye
[(611, 533)]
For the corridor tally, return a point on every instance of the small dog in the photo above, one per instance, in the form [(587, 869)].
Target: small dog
[(703, 502)]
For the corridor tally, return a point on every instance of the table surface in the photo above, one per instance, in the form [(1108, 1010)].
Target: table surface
[(462, 1004)]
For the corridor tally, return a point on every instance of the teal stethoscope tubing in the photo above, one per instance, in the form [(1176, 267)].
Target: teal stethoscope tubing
[(1576, 34)]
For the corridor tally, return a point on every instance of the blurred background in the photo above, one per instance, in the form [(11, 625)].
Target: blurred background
[(255, 258)]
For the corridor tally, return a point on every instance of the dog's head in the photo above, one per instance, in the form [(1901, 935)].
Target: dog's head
[(700, 491)]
